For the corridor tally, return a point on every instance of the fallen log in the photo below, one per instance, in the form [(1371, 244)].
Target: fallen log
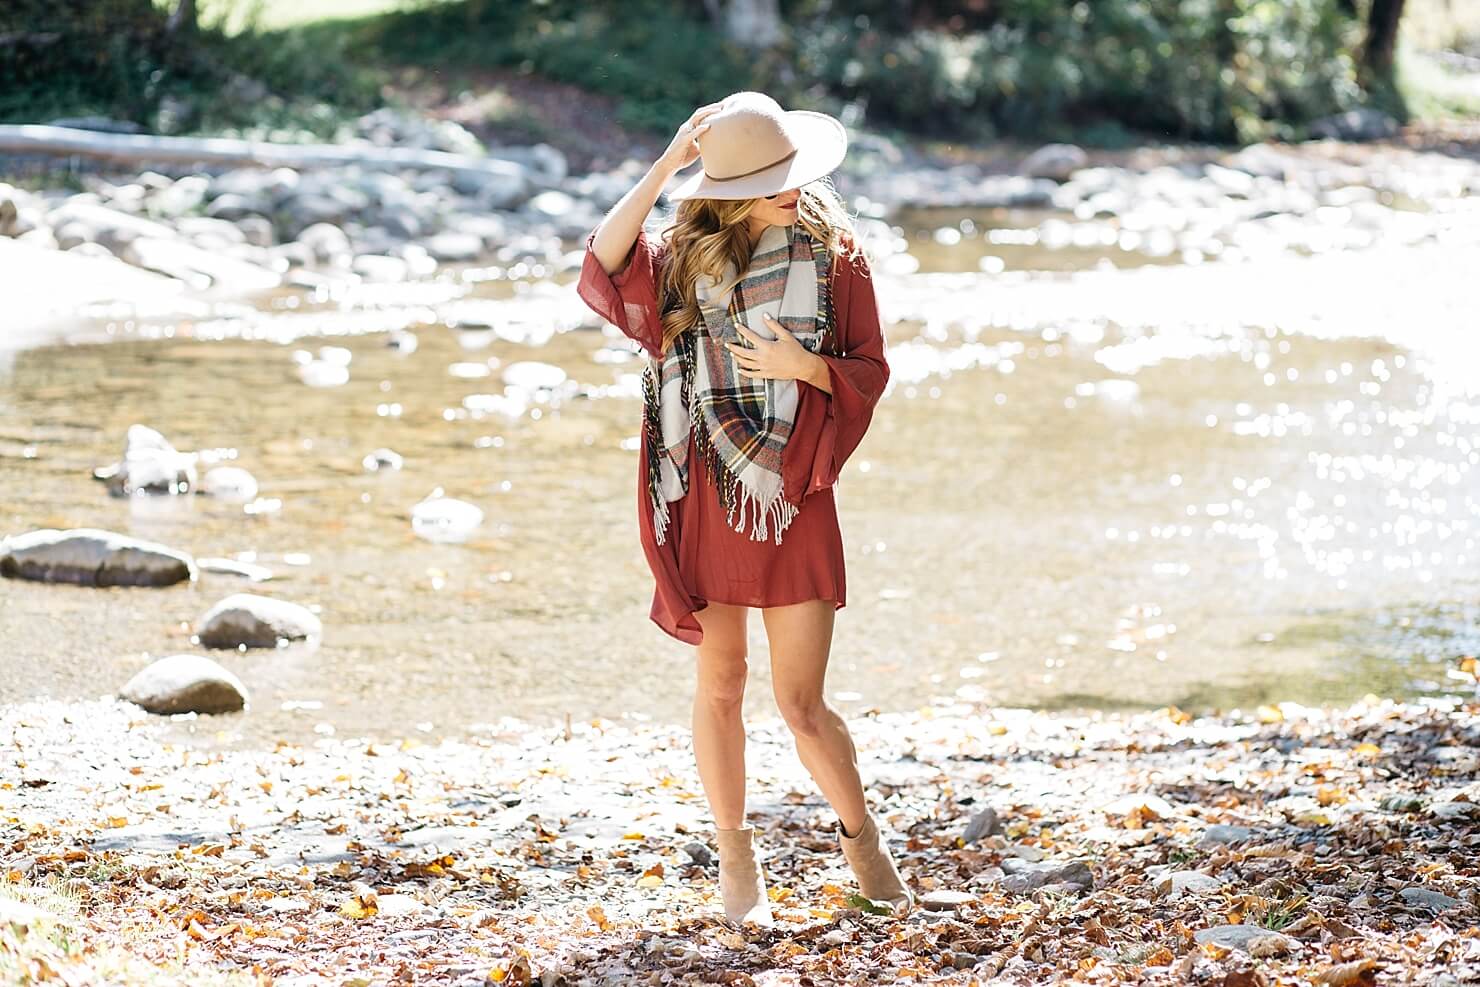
[(137, 150)]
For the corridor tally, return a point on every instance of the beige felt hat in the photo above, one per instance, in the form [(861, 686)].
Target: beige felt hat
[(753, 147)]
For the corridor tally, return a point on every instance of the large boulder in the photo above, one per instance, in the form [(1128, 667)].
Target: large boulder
[(92, 557), (245, 619), (185, 684)]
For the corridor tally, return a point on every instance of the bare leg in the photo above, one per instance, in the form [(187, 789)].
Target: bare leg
[(719, 733), (801, 641)]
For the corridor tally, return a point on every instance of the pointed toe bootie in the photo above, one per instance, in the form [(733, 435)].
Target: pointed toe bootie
[(742, 885), (878, 878)]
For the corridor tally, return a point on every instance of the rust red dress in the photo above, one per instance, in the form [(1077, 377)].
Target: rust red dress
[(703, 559)]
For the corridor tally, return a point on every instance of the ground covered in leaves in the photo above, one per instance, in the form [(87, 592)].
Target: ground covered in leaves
[(1286, 846)]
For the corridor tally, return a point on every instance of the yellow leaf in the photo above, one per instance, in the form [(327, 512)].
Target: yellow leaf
[(1270, 714), (650, 881), (1367, 750), (363, 904), (633, 836)]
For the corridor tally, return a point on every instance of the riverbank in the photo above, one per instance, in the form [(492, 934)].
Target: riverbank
[(1287, 844)]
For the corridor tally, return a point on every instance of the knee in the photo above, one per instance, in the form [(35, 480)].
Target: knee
[(724, 686), (806, 715)]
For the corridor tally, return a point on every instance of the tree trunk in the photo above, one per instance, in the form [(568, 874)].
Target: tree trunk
[(1382, 36), (754, 23), (183, 18)]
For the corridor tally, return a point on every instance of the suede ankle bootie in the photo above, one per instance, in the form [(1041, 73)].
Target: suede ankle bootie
[(742, 886), (878, 878)]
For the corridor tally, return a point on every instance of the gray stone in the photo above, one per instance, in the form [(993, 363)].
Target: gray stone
[(1425, 898), (256, 622), (1365, 124), (229, 483), (1179, 883), (1240, 937), (92, 557), (984, 823), (185, 684), (326, 241), (1054, 161), (1030, 876), (1225, 833), (231, 567), (257, 230), (945, 901), (1454, 811), (699, 853), (454, 246)]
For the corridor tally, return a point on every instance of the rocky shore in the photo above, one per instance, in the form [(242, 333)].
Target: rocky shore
[(234, 231), (1283, 845)]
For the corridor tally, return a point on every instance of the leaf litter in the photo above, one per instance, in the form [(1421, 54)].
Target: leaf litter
[(1320, 846)]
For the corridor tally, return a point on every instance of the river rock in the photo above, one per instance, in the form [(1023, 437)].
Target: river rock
[(327, 241), (1179, 883), (1054, 161), (1030, 876), (150, 465), (185, 684), (454, 247), (1148, 805), (232, 567), (257, 230), (92, 557), (1365, 124), (1225, 833), (382, 459), (1244, 937), (445, 519), (245, 619), (1425, 898), (198, 267), (984, 823), (945, 900), (229, 483)]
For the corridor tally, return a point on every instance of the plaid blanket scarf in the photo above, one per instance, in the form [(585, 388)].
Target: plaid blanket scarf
[(744, 421)]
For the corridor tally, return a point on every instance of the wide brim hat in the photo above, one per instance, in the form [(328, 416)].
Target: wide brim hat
[(753, 148)]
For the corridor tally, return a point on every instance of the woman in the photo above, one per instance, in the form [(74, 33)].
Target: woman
[(765, 361)]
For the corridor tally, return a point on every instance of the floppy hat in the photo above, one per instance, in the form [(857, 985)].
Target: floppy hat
[(753, 147)]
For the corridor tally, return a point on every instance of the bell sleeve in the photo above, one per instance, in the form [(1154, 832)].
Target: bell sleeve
[(629, 298), (830, 426)]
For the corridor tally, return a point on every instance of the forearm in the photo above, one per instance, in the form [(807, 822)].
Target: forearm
[(619, 229), (818, 374)]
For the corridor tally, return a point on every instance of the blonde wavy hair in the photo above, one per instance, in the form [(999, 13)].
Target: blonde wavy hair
[(706, 233)]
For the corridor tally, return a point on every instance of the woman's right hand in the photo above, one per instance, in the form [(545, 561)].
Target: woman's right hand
[(683, 150)]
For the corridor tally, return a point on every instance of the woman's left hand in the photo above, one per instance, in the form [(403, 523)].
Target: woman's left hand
[(782, 357)]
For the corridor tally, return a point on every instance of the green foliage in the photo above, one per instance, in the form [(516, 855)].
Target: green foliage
[(1099, 71), (1232, 70), (118, 58), (653, 55)]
